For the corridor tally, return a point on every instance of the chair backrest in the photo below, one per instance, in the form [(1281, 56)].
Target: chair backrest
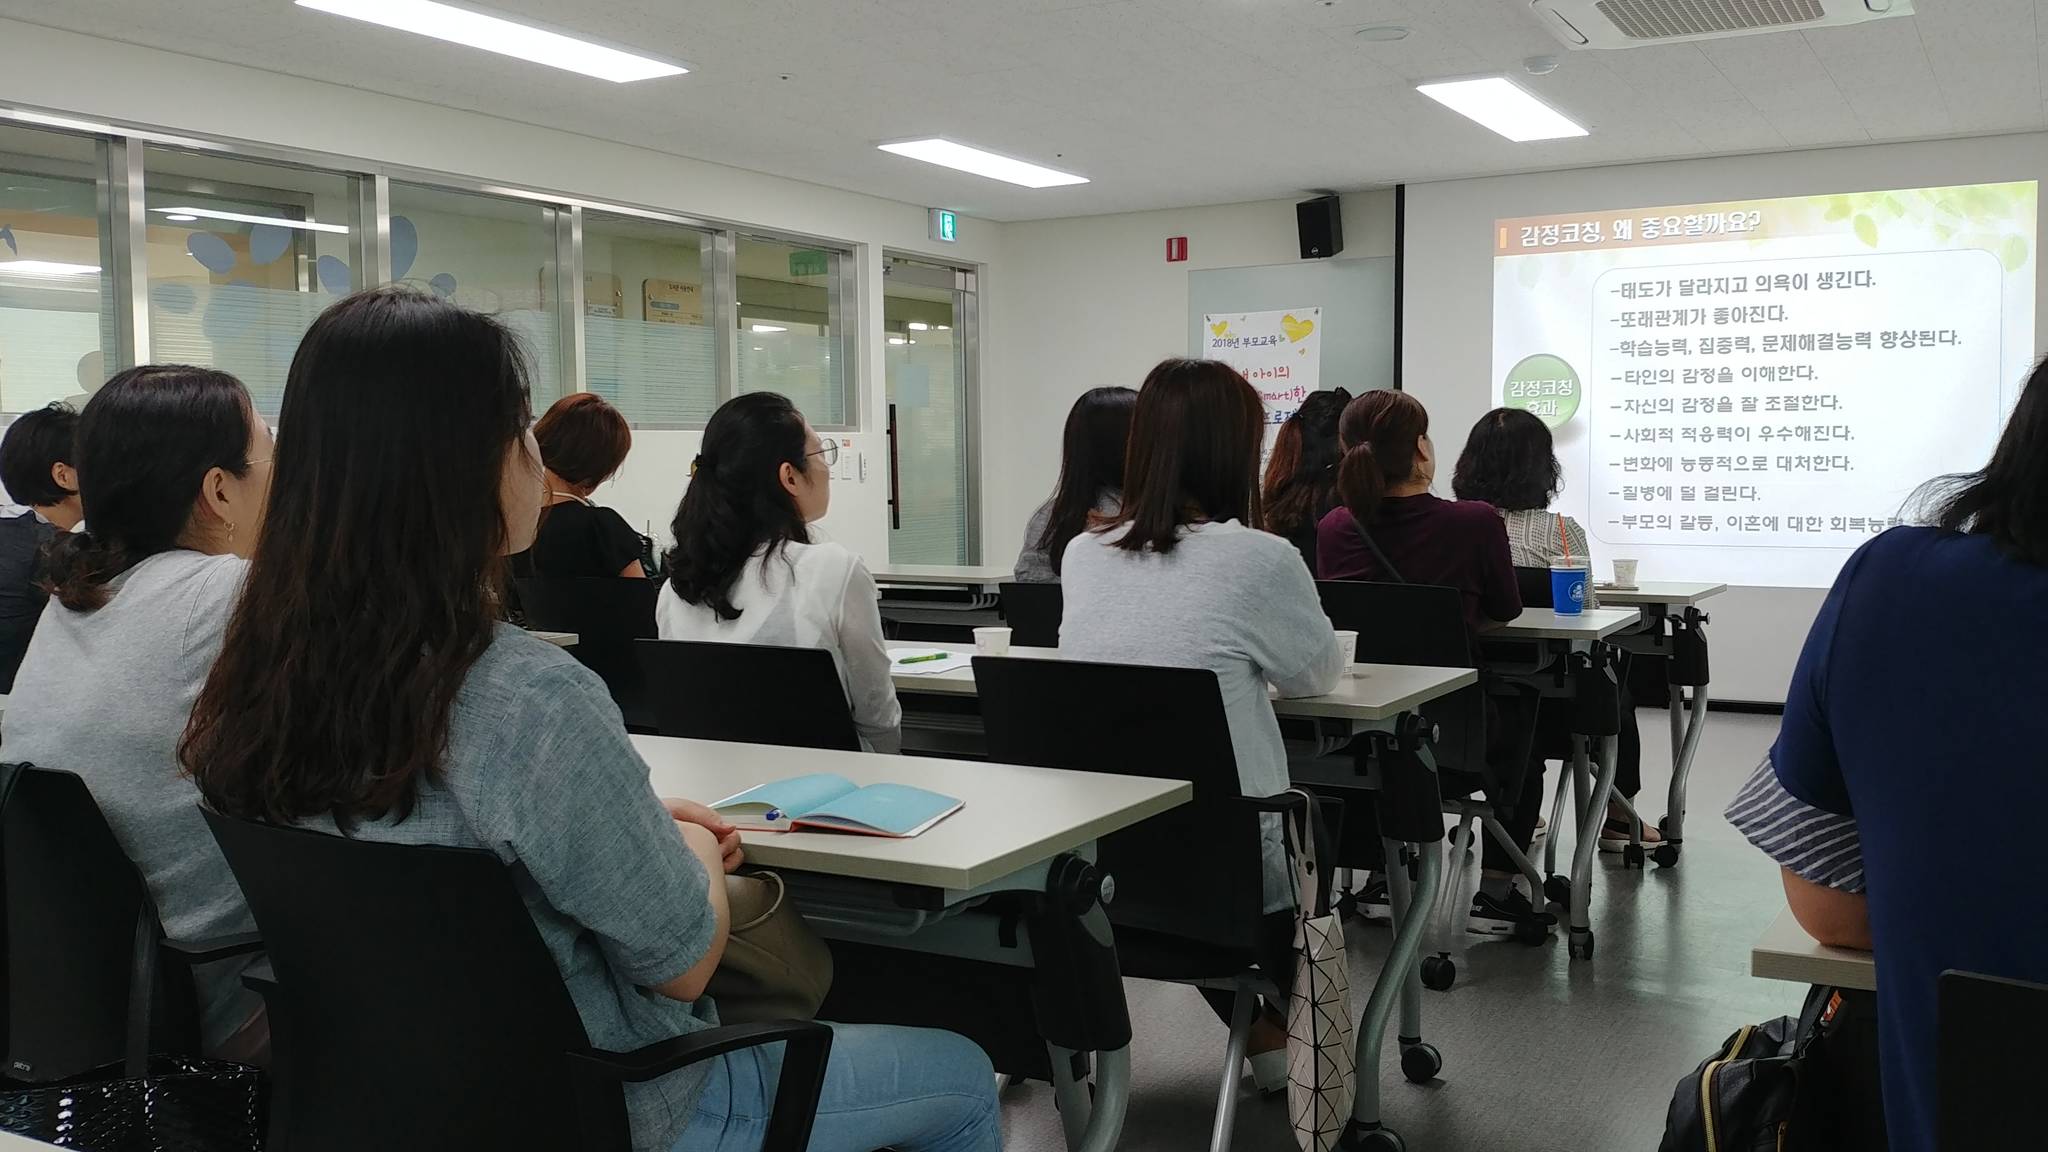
[(1164, 723), (1033, 613), (748, 693), (415, 1006), (79, 926), (607, 615), (1985, 1096), (1417, 624), (1535, 587)]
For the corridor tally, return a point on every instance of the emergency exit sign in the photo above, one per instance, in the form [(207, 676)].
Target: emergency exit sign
[(945, 225)]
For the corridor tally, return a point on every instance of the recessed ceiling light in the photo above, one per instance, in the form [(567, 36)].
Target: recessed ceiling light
[(918, 326), (945, 327), (949, 154), (1382, 33), (189, 213), (496, 34), (898, 340), (48, 268), (769, 328), (179, 218), (1502, 107)]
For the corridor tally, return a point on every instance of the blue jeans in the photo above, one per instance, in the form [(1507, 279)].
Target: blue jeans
[(911, 1089)]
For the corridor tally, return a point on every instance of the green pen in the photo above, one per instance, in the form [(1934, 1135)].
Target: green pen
[(922, 659)]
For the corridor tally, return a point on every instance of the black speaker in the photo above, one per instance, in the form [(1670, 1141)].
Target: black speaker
[(1321, 224)]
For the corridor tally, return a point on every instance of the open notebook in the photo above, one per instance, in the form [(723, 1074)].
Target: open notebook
[(835, 803)]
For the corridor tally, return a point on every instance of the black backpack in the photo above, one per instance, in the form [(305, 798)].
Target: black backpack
[(1805, 1083)]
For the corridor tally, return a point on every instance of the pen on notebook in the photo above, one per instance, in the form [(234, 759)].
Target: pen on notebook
[(772, 815), (922, 659)]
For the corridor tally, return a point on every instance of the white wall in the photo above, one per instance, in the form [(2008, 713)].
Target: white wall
[(102, 79), (1447, 352), (1090, 302)]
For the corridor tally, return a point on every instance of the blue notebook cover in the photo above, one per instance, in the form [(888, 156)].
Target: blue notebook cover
[(829, 802)]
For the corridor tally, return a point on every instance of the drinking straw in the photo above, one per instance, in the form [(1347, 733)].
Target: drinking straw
[(1565, 540)]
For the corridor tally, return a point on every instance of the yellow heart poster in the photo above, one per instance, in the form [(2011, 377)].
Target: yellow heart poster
[(1280, 353)]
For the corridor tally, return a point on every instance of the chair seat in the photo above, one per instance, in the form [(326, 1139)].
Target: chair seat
[(1161, 956)]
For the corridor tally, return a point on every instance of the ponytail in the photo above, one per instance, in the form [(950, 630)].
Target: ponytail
[(76, 569), (1359, 482), (1379, 432)]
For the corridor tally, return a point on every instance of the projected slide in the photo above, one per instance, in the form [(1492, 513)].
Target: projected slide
[(1747, 391)]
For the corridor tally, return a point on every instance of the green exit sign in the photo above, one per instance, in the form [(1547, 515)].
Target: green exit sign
[(945, 225), (809, 262)]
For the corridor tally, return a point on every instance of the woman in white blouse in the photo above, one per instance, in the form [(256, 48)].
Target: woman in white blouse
[(744, 569)]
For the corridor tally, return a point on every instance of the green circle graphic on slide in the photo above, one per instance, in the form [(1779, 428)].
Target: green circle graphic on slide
[(1545, 385)]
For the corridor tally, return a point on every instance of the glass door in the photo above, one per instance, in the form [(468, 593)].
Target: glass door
[(928, 317)]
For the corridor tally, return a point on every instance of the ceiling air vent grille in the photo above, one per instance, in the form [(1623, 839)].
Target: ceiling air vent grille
[(1664, 19)]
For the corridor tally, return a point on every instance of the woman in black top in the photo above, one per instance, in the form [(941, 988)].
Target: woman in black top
[(1301, 475), (583, 440), (35, 465)]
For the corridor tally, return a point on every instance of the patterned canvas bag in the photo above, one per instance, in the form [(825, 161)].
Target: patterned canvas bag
[(1321, 1073)]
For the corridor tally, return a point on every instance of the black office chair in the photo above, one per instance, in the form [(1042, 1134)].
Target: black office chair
[(1986, 1085), (1033, 613), (747, 693), (1421, 624), (91, 981), (607, 615), (1180, 916), (415, 1008)]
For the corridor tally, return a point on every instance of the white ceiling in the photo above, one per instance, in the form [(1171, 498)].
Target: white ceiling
[(1161, 103)]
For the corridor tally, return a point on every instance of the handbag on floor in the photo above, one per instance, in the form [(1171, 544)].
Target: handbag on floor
[(1321, 1070), (180, 1105), (774, 967)]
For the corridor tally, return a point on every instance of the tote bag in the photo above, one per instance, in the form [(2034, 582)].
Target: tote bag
[(1321, 1071)]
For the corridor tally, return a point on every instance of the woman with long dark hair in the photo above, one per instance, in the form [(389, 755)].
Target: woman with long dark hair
[(1301, 475), (1182, 578), (745, 571), (583, 440), (367, 686), (1090, 484), (173, 466), (1913, 718)]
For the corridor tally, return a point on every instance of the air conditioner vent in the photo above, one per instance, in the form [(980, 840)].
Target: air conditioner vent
[(1663, 19), (1639, 23)]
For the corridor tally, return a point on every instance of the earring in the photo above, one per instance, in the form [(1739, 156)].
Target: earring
[(231, 532)]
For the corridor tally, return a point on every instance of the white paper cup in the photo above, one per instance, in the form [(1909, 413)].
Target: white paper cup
[(1348, 641), (992, 641), (1625, 573)]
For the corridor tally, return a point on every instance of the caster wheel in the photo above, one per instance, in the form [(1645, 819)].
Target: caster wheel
[(1632, 855), (1582, 945), (1558, 890), (1377, 1140), (1421, 1063), (1666, 855), (1532, 935), (1438, 974)]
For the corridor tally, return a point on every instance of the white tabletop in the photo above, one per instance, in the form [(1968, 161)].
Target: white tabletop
[(1544, 624), (1371, 692), (1668, 592), (970, 574), (1013, 816), (9, 1142), (1786, 952), (558, 639)]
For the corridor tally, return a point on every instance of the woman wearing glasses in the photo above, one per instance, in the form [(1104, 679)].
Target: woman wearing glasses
[(745, 571)]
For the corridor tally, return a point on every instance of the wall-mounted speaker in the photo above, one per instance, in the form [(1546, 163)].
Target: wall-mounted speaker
[(1321, 225)]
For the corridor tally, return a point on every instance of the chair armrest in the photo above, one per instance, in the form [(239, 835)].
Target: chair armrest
[(216, 948), (1285, 803), (805, 1047)]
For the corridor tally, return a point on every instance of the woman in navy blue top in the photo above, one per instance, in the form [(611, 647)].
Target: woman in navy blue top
[(1915, 707)]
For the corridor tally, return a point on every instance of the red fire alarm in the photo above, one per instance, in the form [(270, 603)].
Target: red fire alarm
[(1176, 249)]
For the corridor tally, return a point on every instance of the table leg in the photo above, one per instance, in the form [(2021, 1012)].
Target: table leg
[(1685, 743), (1394, 978), (1070, 1095), (1592, 814)]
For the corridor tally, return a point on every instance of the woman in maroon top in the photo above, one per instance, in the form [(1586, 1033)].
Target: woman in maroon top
[(1384, 481)]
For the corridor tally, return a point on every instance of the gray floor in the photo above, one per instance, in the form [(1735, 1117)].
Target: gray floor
[(1541, 1053)]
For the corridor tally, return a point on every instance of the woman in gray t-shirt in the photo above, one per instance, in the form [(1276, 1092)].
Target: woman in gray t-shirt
[(173, 467), (366, 679)]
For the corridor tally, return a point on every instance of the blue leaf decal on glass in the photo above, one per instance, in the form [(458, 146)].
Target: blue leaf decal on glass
[(333, 275), (267, 242), (405, 246), (211, 251), (443, 285)]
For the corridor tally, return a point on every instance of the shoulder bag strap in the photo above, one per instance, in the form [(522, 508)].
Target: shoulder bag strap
[(1385, 564)]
